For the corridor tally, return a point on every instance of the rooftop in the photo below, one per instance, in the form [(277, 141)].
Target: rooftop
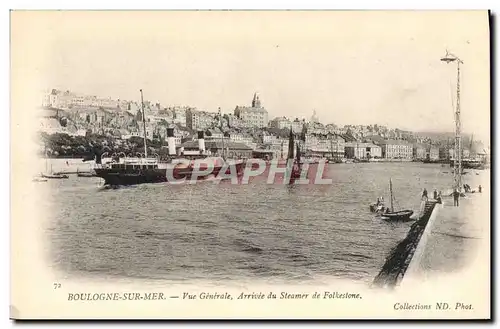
[(394, 142), (216, 144)]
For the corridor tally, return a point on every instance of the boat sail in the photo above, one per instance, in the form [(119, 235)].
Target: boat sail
[(49, 174), (401, 215)]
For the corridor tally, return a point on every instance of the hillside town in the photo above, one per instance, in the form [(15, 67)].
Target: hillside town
[(71, 124)]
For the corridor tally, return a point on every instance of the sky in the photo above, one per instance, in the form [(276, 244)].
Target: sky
[(350, 67)]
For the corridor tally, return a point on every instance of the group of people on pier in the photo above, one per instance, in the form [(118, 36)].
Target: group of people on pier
[(456, 194), (436, 195)]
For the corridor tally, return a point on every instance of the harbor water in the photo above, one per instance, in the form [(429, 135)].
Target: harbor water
[(224, 232)]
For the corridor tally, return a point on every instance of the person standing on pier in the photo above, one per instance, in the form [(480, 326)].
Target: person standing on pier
[(479, 189), (424, 195), (456, 195), (435, 194)]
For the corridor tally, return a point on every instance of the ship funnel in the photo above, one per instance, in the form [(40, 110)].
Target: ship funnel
[(201, 141), (171, 141)]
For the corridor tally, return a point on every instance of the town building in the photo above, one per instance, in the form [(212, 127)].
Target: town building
[(234, 122), (244, 139), (276, 144), (355, 150), (444, 153), (69, 100), (197, 120), (419, 151), (317, 128), (433, 153), (216, 147), (396, 149), (327, 145), (465, 153), (333, 128), (285, 123), (298, 125), (280, 123), (179, 115), (253, 116)]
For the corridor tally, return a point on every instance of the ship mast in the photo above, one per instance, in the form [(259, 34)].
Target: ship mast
[(331, 148), (470, 146), (144, 126), (390, 187), (457, 163), (290, 144), (222, 138)]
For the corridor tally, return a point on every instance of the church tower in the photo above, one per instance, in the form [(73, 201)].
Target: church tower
[(256, 101)]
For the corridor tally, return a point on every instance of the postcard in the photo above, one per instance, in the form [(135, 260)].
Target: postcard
[(250, 164)]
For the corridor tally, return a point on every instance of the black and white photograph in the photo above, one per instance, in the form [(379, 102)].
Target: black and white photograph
[(241, 164)]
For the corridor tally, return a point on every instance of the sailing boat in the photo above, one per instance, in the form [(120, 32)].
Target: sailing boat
[(401, 215), (50, 174), (84, 173)]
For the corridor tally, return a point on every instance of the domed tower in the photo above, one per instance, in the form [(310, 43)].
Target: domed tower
[(314, 117), (256, 101)]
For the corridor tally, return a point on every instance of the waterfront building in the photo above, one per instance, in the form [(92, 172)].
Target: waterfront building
[(253, 116), (358, 150), (465, 153), (265, 154), (396, 149), (215, 147), (278, 145), (325, 145), (444, 153), (433, 153), (419, 151)]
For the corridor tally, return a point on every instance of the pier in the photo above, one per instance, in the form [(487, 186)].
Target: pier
[(453, 240), (444, 240)]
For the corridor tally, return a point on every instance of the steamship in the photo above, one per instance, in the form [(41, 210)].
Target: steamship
[(141, 170)]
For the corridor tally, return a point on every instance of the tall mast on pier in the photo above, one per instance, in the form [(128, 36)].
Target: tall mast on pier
[(144, 126), (457, 163)]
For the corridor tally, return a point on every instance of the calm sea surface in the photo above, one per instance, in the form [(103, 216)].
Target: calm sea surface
[(221, 232)]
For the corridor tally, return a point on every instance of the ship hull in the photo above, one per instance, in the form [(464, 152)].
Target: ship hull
[(469, 164), (116, 177), (125, 177)]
